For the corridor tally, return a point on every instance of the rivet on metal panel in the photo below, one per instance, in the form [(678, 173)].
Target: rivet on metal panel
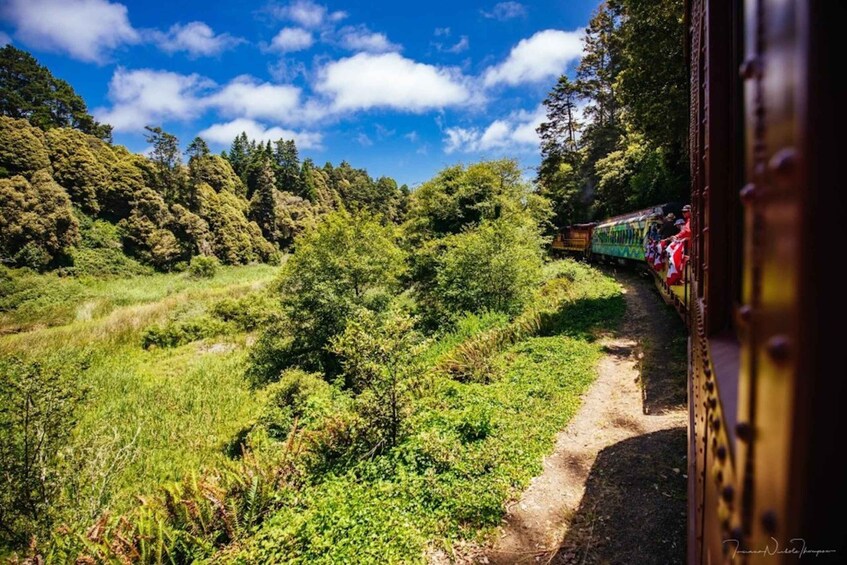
[(710, 386), (713, 403), (744, 431), (750, 68), (748, 193), (769, 521), (778, 348), (782, 162), (737, 534), (720, 452)]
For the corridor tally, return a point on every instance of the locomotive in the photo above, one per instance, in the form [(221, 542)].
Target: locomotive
[(761, 301)]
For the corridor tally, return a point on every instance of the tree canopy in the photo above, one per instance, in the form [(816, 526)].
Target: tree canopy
[(29, 90)]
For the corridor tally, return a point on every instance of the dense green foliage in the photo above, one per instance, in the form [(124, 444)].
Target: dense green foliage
[(361, 429), (37, 415), (244, 206), (495, 267), (626, 149), (37, 224), (30, 91), (349, 261)]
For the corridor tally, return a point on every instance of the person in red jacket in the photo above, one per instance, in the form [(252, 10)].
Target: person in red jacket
[(685, 233)]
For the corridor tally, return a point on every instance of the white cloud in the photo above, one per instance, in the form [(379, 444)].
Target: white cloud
[(248, 98), (364, 140), (197, 38), (84, 29), (461, 45), (292, 39), (148, 97), (390, 81), (307, 13), (516, 132), (442, 32), (4, 39), (224, 133), (546, 54), (360, 38), (505, 11)]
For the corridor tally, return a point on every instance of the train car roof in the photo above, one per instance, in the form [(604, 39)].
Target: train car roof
[(633, 216)]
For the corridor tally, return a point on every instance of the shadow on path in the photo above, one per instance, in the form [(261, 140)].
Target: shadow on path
[(633, 509)]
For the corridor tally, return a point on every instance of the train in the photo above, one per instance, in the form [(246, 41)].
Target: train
[(762, 301)]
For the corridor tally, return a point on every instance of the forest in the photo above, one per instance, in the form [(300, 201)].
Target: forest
[(251, 358)]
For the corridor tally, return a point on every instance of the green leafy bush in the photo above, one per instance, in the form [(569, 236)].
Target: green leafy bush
[(203, 267), (174, 334), (378, 356), (37, 224), (345, 263), (248, 313), (495, 267), (38, 410)]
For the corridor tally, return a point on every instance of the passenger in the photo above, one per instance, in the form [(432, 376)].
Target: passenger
[(685, 231), (677, 250), (668, 228)]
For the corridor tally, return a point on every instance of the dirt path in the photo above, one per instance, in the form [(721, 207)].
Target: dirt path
[(613, 490)]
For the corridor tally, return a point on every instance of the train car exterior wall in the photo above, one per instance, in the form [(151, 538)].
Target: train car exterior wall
[(765, 403)]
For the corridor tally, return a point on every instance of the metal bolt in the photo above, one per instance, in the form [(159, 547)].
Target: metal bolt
[(778, 348), (713, 402), (710, 386), (748, 193), (783, 161), (769, 521), (750, 68), (744, 431), (728, 493), (721, 453)]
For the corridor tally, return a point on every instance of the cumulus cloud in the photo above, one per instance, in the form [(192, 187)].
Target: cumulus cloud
[(505, 11), (87, 30), (546, 54), (390, 81), (224, 133), (246, 97), (360, 38), (145, 96), (196, 38), (516, 132), (307, 13), (291, 39)]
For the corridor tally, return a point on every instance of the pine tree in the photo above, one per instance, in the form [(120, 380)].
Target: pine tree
[(28, 90), (263, 202), (238, 154), (287, 163)]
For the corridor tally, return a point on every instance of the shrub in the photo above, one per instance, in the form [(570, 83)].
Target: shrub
[(37, 224), (248, 313), (38, 411), (203, 267), (378, 358), (347, 262), (22, 148), (496, 267), (76, 168), (174, 334)]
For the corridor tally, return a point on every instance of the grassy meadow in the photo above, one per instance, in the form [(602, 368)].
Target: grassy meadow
[(162, 361)]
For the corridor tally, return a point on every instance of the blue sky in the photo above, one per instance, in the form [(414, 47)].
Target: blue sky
[(399, 88)]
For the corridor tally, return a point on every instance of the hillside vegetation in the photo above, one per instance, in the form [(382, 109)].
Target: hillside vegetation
[(246, 358)]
